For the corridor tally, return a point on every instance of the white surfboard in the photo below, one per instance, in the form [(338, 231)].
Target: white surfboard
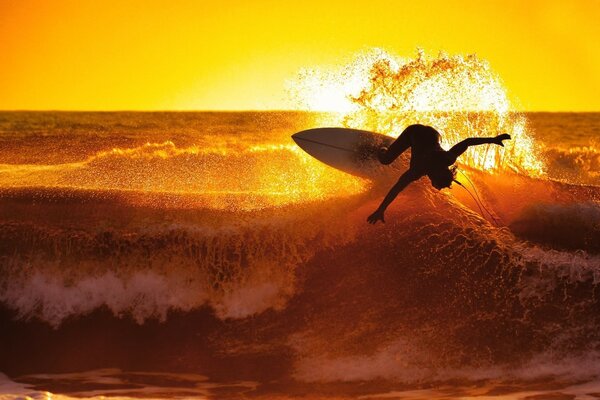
[(350, 150)]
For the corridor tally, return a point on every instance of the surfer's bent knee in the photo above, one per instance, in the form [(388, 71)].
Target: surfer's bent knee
[(383, 156)]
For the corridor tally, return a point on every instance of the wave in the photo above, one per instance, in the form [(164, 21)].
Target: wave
[(568, 226), (396, 362), (239, 264), (242, 263), (280, 172), (575, 164), (307, 283)]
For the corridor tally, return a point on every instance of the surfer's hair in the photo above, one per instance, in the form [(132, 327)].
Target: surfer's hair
[(442, 177)]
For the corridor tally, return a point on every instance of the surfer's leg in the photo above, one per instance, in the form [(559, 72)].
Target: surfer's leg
[(404, 141)]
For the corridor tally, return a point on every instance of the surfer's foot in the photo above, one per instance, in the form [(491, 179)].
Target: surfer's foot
[(381, 155)]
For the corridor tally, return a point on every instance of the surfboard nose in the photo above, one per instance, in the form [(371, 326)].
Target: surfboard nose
[(295, 137), (308, 136), (310, 133)]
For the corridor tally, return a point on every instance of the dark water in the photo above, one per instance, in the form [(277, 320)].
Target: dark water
[(204, 255)]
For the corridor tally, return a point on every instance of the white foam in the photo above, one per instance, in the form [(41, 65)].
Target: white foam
[(401, 362), (555, 267), (143, 294)]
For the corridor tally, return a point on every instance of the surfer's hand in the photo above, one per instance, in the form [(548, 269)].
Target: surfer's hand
[(500, 138), (376, 216)]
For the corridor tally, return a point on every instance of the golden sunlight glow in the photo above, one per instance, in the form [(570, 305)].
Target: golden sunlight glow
[(234, 54), (333, 89)]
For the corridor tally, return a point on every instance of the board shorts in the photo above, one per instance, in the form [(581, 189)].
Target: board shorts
[(423, 142)]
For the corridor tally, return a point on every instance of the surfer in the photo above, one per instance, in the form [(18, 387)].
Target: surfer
[(427, 158)]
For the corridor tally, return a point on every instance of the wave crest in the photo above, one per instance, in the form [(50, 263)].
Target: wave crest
[(564, 226), (575, 164), (278, 174)]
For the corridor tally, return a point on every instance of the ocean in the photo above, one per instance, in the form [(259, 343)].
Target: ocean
[(204, 255)]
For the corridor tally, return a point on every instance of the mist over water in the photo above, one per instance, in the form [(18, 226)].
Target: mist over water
[(203, 254)]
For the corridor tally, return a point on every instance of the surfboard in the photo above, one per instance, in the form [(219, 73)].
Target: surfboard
[(353, 151)]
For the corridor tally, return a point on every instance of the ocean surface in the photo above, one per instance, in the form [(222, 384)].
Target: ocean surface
[(204, 255)]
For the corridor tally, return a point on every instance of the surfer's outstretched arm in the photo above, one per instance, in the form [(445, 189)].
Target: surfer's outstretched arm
[(461, 147), (406, 179)]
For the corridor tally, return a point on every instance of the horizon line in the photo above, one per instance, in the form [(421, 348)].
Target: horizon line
[(272, 110)]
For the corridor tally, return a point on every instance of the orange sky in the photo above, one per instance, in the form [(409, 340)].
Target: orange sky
[(176, 54)]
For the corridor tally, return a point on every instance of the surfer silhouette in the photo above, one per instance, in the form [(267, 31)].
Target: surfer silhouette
[(427, 158)]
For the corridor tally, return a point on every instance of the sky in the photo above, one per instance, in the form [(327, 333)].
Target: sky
[(238, 55)]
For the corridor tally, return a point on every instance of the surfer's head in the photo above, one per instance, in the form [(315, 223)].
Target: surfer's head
[(442, 177)]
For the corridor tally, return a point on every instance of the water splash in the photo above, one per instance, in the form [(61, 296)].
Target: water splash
[(461, 96)]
